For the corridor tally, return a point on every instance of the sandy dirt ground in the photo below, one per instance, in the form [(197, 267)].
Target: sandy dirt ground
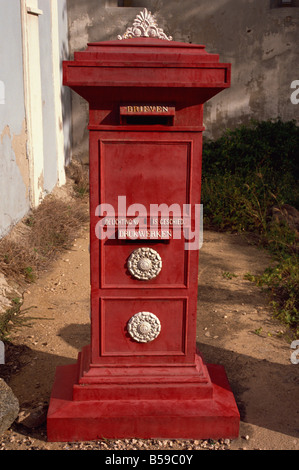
[(234, 329)]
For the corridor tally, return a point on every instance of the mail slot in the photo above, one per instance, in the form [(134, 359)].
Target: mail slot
[(147, 114), (141, 375)]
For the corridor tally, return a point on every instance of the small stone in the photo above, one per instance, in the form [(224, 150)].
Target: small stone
[(9, 406), (33, 417)]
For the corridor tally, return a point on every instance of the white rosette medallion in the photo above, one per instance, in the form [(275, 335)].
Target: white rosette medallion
[(144, 264), (144, 327)]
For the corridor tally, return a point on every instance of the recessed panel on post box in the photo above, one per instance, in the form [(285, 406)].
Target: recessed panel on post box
[(147, 170), (165, 338)]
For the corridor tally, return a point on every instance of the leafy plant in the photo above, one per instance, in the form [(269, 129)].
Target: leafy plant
[(29, 274), (228, 275), (13, 318), (258, 331), (282, 284)]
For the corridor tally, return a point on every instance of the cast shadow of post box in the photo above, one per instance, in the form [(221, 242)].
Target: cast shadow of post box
[(266, 392)]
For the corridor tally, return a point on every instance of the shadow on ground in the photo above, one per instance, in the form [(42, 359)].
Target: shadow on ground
[(253, 382)]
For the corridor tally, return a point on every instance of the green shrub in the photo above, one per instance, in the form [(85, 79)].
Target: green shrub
[(282, 283), (268, 146), (237, 203)]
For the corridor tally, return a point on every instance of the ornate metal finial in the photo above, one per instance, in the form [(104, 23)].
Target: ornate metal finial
[(145, 25)]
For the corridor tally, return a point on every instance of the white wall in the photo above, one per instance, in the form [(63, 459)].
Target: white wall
[(14, 168), (34, 139)]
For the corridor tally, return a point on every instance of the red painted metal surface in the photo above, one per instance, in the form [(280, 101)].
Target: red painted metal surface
[(146, 101)]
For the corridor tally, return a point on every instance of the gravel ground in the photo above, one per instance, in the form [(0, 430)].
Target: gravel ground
[(15, 440)]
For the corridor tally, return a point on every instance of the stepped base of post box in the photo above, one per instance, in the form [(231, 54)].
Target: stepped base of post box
[(211, 416)]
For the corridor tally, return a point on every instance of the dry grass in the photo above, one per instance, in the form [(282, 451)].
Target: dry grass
[(54, 225), (47, 231), (17, 260), (79, 173), (40, 237)]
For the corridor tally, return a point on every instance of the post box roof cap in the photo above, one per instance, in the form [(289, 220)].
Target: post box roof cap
[(145, 42), (147, 50)]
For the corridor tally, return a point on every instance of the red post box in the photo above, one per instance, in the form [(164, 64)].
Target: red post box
[(141, 376)]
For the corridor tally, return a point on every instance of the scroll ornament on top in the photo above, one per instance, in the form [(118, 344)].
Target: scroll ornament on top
[(145, 25)]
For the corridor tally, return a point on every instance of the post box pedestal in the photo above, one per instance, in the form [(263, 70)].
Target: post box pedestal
[(133, 406), (141, 376)]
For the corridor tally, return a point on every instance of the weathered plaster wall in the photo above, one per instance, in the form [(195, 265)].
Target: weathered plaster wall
[(14, 169), (65, 92), (49, 131), (32, 159), (259, 41), (50, 143)]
